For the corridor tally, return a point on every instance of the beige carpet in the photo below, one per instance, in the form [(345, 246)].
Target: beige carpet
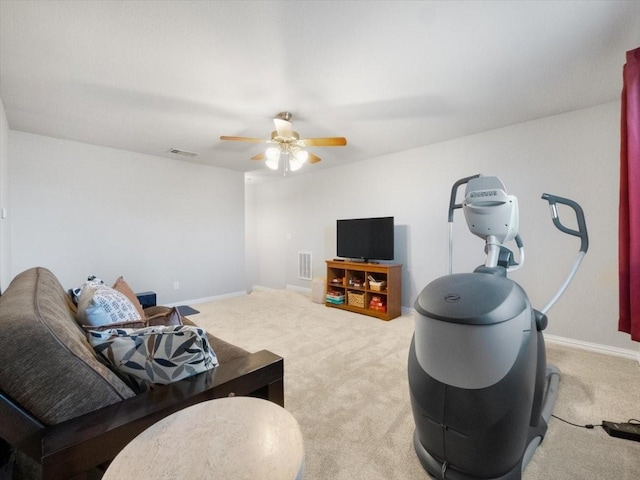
[(346, 384)]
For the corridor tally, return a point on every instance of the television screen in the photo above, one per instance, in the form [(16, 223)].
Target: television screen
[(365, 238)]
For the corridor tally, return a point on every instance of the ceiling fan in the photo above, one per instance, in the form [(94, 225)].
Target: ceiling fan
[(287, 145)]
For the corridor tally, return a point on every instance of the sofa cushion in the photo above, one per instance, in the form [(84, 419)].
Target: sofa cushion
[(100, 305), (46, 362), (155, 355), (136, 324), (165, 318)]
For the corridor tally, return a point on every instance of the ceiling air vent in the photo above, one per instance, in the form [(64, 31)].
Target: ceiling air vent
[(186, 153)]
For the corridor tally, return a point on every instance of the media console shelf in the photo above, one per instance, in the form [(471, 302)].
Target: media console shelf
[(369, 288)]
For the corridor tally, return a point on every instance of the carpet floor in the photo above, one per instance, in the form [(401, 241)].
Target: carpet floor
[(346, 384)]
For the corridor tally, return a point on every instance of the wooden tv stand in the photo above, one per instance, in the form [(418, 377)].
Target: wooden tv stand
[(351, 281)]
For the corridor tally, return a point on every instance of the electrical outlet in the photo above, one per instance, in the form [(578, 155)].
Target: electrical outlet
[(176, 285)]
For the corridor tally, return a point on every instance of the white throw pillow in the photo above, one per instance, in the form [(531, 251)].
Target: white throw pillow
[(100, 305)]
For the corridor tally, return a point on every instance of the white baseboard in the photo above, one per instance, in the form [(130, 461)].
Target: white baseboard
[(594, 347), (304, 290), (205, 299)]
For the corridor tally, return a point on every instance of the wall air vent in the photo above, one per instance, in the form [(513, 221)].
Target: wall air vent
[(185, 153), (304, 265)]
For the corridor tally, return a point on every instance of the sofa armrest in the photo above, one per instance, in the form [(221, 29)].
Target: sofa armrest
[(75, 446)]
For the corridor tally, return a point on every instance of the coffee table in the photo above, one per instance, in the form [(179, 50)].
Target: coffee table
[(226, 438)]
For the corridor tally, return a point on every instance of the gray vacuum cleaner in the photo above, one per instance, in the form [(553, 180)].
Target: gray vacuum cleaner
[(481, 390)]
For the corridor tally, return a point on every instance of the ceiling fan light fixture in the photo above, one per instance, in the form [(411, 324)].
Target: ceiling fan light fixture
[(294, 164), (297, 158), (272, 155), (300, 155)]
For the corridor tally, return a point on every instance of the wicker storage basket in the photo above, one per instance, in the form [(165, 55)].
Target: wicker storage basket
[(356, 299), (377, 286)]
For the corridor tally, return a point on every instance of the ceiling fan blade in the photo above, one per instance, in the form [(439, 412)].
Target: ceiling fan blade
[(242, 139), (313, 158), (283, 127), (259, 156), (324, 142)]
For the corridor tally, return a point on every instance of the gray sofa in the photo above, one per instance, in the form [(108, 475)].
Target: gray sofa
[(69, 412)]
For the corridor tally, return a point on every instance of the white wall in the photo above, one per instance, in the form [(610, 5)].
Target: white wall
[(80, 209), (575, 155), (5, 244)]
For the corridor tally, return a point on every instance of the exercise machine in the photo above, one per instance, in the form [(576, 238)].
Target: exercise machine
[(481, 390)]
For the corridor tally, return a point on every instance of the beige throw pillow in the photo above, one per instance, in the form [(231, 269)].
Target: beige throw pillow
[(123, 287)]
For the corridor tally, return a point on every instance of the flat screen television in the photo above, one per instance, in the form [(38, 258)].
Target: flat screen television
[(365, 238)]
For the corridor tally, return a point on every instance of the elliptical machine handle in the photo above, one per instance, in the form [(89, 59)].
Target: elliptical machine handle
[(452, 207), (581, 232), (454, 193), (582, 225)]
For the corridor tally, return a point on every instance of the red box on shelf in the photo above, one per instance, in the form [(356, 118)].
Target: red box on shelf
[(377, 303)]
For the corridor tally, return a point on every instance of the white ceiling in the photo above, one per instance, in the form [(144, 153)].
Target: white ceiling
[(147, 76)]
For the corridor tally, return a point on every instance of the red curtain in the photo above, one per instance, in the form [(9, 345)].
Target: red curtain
[(629, 217)]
